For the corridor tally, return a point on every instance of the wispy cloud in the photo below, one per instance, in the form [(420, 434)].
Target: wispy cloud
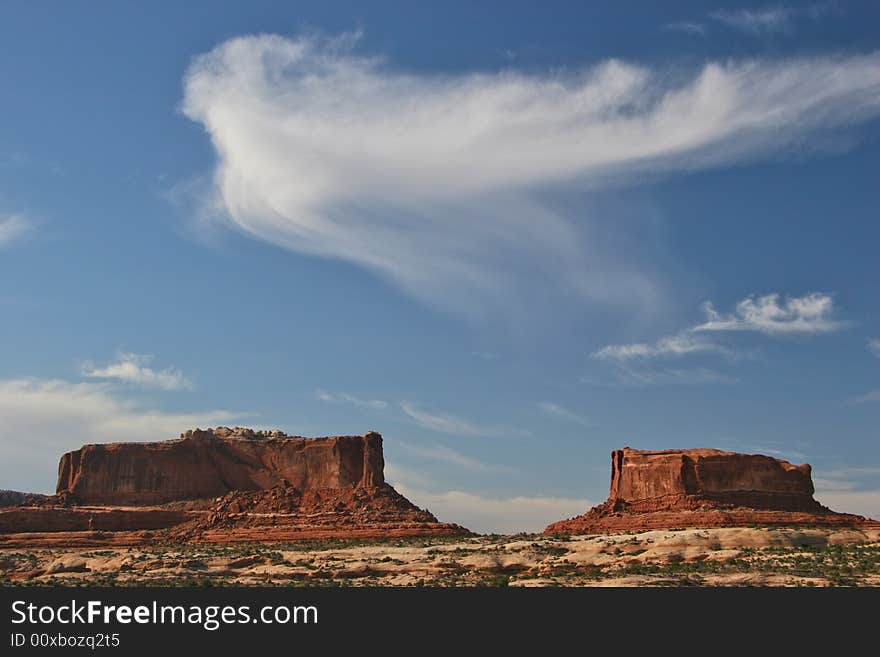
[(560, 412), (341, 397), (766, 20), (686, 376), (449, 455), (43, 418), (12, 228), (870, 397), (674, 345), (757, 21), (812, 313), (874, 347), (133, 368), (853, 471), (446, 423), (438, 182), (688, 27)]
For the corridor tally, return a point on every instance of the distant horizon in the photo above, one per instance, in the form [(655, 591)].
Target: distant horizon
[(508, 238)]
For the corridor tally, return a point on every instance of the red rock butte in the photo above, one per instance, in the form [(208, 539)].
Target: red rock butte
[(679, 488), (214, 462), (220, 485)]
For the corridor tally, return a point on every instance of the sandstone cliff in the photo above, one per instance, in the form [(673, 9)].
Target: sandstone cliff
[(220, 485), (213, 462), (685, 479), (703, 488)]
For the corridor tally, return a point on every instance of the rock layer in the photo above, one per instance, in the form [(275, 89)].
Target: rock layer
[(51, 519), (703, 488), (686, 479), (220, 485), (211, 463), (277, 514)]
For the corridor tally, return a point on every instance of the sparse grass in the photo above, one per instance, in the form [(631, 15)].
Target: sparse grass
[(494, 560)]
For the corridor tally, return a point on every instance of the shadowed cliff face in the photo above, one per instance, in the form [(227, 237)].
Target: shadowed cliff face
[(211, 463)]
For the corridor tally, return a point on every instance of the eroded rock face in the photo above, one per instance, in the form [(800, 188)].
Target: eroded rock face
[(220, 485), (703, 488), (212, 463), (672, 479), (277, 514)]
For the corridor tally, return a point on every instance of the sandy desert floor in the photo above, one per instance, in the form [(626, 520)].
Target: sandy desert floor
[(693, 557)]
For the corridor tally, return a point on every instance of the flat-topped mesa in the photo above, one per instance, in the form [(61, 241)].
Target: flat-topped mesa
[(677, 488), (675, 479), (213, 462)]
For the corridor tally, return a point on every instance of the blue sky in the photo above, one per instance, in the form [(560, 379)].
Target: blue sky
[(511, 238)]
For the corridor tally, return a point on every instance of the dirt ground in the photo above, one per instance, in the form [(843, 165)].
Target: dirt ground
[(692, 557)]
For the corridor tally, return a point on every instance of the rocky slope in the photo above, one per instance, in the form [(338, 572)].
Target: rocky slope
[(14, 498), (704, 488)]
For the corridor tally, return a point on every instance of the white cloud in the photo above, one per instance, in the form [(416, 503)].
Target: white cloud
[(774, 19), (688, 376), (44, 418), (448, 455), (767, 314), (445, 423), (132, 368), (863, 503), (555, 410), (439, 182), (12, 228), (808, 314), (674, 345), (758, 21), (499, 515), (874, 347), (812, 313), (341, 397)]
